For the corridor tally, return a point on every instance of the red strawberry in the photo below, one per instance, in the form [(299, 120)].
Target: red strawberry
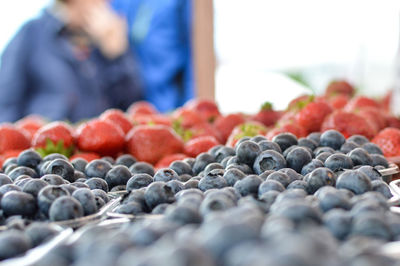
[(389, 141), (101, 137), (154, 119), (31, 124), (375, 116), (9, 154), (348, 124), (312, 116), (118, 118), (360, 102), (387, 100), (168, 159), (225, 124), (249, 129), (56, 132), (12, 138), (204, 129), (198, 145), (141, 108), (151, 143), (88, 156), (266, 115), (187, 118), (339, 101), (299, 102), (393, 121), (338, 87), (291, 127), (207, 109)]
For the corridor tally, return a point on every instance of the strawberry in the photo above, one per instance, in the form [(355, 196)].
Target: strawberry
[(55, 137), (389, 141), (154, 119), (387, 100), (360, 102), (249, 129), (150, 143), (168, 159), (187, 118), (312, 116), (291, 127), (118, 118), (88, 156), (339, 87), (339, 101), (12, 138), (299, 102), (225, 124), (266, 115), (204, 129), (207, 109), (9, 154), (348, 124), (141, 108), (393, 121), (198, 145), (101, 137), (374, 116), (31, 124)]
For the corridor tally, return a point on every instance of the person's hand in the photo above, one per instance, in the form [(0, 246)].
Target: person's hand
[(107, 29)]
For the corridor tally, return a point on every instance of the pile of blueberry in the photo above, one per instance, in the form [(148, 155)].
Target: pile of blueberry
[(319, 200)]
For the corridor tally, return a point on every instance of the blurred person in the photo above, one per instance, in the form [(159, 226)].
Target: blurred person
[(70, 63), (160, 37)]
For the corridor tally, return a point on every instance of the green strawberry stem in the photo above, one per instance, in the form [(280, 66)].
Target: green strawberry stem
[(55, 148)]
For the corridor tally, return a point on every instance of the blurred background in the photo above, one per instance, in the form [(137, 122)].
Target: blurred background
[(259, 42)]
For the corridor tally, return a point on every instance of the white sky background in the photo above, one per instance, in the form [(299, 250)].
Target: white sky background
[(256, 40)]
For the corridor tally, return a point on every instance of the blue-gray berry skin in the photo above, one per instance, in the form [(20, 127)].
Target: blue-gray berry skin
[(318, 178), (339, 161), (269, 160), (311, 166), (338, 222), (202, 160), (333, 139), (382, 187), (53, 179), (97, 183), (372, 225), (157, 193), (359, 156), (372, 148), (98, 168), (371, 172), (165, 175), (233, 175), (126, 159), (355, 181), (181, 167), (142, 167), (65, 208), (87, 199), (358, 139), (247, 152), (248, 185), (214, 179), (12, 244), (348, 146), (285, 140), (29, 158), (34, 186), (269, 185), (281, 177), (269, 145), (22, 170), (297, 158), (62, 168), (379, 160), (18, 203), (138, 181), (315, 136), (79, 164), (118, 175), (48, 195)]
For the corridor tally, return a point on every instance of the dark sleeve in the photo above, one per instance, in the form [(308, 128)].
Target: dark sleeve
[(122, 80), (13, 76)]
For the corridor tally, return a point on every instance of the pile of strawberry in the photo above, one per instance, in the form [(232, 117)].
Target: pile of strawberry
[(196, 127)]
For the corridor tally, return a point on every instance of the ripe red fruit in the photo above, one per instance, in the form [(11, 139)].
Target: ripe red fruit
[(168, 159), (339, 101), (101, 137), (141, 108), (151, 143), (88, 156), (338, 87), (249, 129), (348, 124), (155, 119), (56, 132), (389, 141), (31, 124), (187, 118), (290, 127), (374, 116), (393, 121), (299, 102), (225, 124), (360, 102), (207, 109), (312, 116), (266, 115), (198, 145), (12, 138), (118, 118)]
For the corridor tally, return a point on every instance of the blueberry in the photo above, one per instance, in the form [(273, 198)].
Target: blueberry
[(233, 175), (293, 175), (22, 181), (97, 183), (348, 146), (288, 150), (78, 175), (323, 156), (298, 184), (101, 193), (338, 222), (223, 153), (382, 187), (242, 167), (320, 150), (175, 186), (214, 179), (9, 187), (232, 160), (71, 189), (138, 181), (108, 159), (81, 184), (371, 172), (10, 167), (372, 148), (191, 184), (132, 208), (202, 160), (281, 177), (22, 170), (18, 203), (318, 178), (65, 208), (79, 164), (142, 168), (9, 161), (118, 175), (87, 200), (165, 175), (308, 143), (216, 202), (265, 175), (34, 186), (285, 140), (268, 160), (378, 159), (181, 167), (248, 185), (371, 225), (97, 168), (315, 136), (190, 161), (157, 193), (269, 145), (213, 151), (54, 156), (99, 202), (12, 244), (42, 167), (332, 138), (247, 152), (183, 215), (118, 188), (358, 139), (246, 138), (136, 196), (29, 158), (53, 179), (39, 233), (339, 161), (62, 168), (359, 156), (298, 212), (211, 167), (269, 185), (4, 179), (333, 199), (125, 159), (48, 195), (314, 164), (297, 158), (354, 181), (184, 177)]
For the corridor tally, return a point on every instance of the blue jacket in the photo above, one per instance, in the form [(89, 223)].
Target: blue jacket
[(159, 33), (40, 74)]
